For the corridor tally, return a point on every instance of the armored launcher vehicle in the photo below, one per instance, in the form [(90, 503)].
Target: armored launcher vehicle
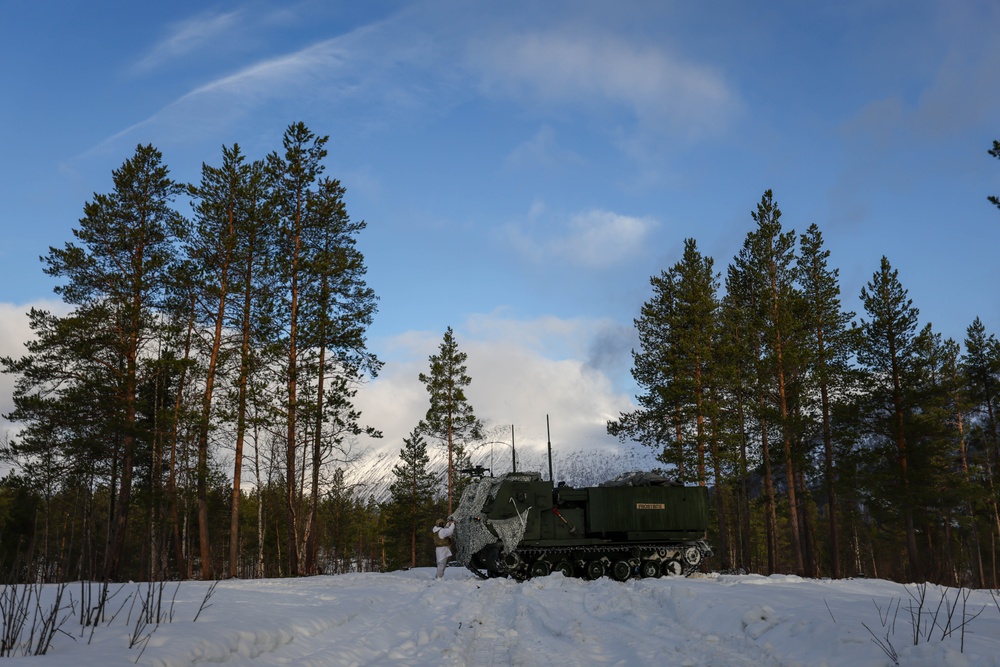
[(640, 524)]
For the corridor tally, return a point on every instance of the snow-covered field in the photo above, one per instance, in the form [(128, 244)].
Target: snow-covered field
[(408, 618)]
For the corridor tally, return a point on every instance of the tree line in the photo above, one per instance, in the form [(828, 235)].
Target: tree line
[(190, 343), (193, 415), (835, 443)]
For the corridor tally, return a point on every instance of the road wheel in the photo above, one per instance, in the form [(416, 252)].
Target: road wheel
[(672, 568), (649, 569), (511, 560), (692, 556), (565, 567), (621, 570), (539, 568), (595, 569)]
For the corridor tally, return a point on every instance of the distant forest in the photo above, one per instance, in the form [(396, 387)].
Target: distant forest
[(192, 416)]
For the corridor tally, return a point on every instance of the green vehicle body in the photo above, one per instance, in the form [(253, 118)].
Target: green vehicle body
[(519, 525)]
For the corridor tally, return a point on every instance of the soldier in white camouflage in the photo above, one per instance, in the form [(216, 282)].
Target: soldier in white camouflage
[(443, 543)]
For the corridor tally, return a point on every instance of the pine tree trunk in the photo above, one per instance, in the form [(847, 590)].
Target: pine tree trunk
[(808, 541), (679, 441), (786, 436), (205, 550), (725, 556), (312, 543), (700, 422), (911, 533), (290, 444), (746, 546), (831, 491), (771, 523), (450, 462), (246, 327), (124, 499), (119, 531), (182, 569), (413, 520)]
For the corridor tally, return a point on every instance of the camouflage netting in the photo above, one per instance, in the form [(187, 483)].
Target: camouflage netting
[(474, 531), (641, 479)]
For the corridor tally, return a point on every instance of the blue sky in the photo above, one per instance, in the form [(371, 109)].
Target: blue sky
[(525, 167)]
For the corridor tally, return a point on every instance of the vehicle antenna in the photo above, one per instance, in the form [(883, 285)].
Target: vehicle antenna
[(548, 433), (513, 453)]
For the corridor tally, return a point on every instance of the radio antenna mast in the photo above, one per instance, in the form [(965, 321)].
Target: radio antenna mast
[(548, 433)]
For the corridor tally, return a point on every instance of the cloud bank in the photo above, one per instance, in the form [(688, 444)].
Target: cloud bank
[(521, 370), (594, 239)]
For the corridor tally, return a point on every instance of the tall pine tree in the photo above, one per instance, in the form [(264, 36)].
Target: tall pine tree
[(886, 350), (767, 267), (450, 417), (831, 343), (118, 270)]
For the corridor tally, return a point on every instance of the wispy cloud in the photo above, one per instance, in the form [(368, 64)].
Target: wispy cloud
[(186, 37), (595, 239), (664, 92), (542, 150), (372, 66), (420, 60)]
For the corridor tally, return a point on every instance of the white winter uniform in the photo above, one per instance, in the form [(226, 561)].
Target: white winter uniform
[(443, 553)]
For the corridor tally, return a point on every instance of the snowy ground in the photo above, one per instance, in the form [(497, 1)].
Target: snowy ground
[(407, 618)]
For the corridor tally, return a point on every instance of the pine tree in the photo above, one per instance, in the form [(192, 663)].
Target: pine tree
[(210, 249), (831, 343), (767, 265), (412, 491), (65, 401), (659, 422), (323, 311), (932, 442), (981, 372), (250, 316), (886, 350), (694, 328), (960, 405), (450, 417), (294, 174), (677, 330), (338, 308), (119, 271)]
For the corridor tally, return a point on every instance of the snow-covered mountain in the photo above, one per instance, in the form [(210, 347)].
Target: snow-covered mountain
[(373, 473)]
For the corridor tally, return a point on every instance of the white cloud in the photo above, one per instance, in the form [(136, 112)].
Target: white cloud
[(521, 370), (542, 150), (595, 239), (665, 93), (420, 59), (14, 332), (380, 64), (188, 36)]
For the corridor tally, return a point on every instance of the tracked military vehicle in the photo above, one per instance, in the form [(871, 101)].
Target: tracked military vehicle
[(639, 525)]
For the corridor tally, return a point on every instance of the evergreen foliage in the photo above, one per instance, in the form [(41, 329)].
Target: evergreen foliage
[(193, 412), (174, 347), (450, 417), (829, 347), (411, 507)]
